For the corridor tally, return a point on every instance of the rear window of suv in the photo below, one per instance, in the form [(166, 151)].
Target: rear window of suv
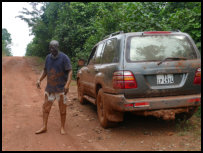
[(159, 47)]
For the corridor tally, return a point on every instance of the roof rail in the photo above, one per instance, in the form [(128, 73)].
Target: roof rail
[(176, 30), (113, 34)]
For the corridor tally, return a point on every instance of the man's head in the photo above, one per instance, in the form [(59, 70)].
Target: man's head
[(54, 47)]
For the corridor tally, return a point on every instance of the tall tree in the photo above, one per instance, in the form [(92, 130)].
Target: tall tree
[(6, 42), (78, 26)]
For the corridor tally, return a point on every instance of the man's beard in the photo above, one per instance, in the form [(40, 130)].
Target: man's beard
[(54, 56)]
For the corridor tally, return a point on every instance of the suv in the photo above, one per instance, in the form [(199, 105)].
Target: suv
[(154, 73)]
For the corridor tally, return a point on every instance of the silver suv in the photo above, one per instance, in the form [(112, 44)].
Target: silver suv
[(154, 73)]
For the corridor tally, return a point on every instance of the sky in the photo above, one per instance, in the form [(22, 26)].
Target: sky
[(18, 28)]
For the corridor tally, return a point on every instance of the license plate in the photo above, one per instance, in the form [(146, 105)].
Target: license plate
[(165, 79)]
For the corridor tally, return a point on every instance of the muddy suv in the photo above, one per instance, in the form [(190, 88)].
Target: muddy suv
[(154, 73)]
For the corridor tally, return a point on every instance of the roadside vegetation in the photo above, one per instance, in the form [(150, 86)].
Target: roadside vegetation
[(6, 42), (79, 25)]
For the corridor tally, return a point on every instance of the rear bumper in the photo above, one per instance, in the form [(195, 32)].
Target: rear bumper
[(121, 104)]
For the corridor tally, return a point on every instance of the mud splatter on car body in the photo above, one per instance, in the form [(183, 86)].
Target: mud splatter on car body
[(149, 73)]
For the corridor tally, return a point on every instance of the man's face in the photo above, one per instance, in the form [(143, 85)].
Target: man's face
[(53, 50)]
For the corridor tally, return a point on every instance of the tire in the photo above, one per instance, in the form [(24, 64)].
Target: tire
[(80, 93), (102, 111), (187, 115)]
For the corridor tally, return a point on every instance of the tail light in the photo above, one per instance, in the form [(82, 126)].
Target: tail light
[(197, 79), (124, 80), (157, 32), (194, 100)]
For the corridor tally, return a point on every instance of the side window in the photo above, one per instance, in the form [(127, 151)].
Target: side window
[(98, 54), (111, 51), (91, 58)]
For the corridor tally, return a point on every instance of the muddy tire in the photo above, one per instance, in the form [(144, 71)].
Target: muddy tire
[(101, 111), (187, 115), (80, 93)]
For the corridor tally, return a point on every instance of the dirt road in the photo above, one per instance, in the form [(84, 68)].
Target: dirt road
[(22, 116)]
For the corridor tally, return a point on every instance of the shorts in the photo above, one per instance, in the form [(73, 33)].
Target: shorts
[(56, 96)]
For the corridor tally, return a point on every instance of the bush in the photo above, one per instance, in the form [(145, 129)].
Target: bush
[(198, 113)]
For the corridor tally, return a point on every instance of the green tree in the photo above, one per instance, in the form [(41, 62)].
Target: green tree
[(184, 16), (78, 26), (6, 42)]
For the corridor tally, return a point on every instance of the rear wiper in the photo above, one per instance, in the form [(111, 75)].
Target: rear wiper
[(172, 58)]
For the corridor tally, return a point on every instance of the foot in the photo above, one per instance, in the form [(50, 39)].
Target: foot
[(42, 130), (63, 131)]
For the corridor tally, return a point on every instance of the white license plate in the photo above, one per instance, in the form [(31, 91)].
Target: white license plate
[(165, 79)]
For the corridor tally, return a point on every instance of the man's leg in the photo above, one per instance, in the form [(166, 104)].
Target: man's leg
[(46, 109), (62, 108)]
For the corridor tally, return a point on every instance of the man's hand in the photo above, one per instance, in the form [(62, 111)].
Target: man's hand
[(38, 84), (66, 90)]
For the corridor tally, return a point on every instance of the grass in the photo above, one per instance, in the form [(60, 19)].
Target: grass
[(36, 62), (183, 127), (73, 83), (40, 60), (192, 125), (198, 113), (189, 127)]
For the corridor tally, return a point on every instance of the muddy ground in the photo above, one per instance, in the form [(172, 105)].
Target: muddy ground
[(22, 116)]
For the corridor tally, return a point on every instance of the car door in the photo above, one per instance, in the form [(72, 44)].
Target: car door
[(86, 72), (93, 69)]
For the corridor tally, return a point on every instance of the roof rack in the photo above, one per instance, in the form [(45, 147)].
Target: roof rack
[(113, 34)]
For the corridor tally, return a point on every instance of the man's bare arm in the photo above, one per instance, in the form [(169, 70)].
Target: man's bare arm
[(42, 76), (69, 81)]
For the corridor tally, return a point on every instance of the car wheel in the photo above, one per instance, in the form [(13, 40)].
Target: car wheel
[(101, 111), (187, 115), (80, 93)]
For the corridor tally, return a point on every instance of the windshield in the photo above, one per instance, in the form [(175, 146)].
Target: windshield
[(159, 47)]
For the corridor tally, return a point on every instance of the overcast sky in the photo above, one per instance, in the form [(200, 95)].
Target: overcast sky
[(16, 27)]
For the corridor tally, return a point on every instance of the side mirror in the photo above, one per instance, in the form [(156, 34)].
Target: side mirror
[(81, 62)]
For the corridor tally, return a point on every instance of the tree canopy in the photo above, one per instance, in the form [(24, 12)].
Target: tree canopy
[(6, 41), (79, 25)]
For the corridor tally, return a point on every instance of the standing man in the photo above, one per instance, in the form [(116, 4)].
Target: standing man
[(58, 70)]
